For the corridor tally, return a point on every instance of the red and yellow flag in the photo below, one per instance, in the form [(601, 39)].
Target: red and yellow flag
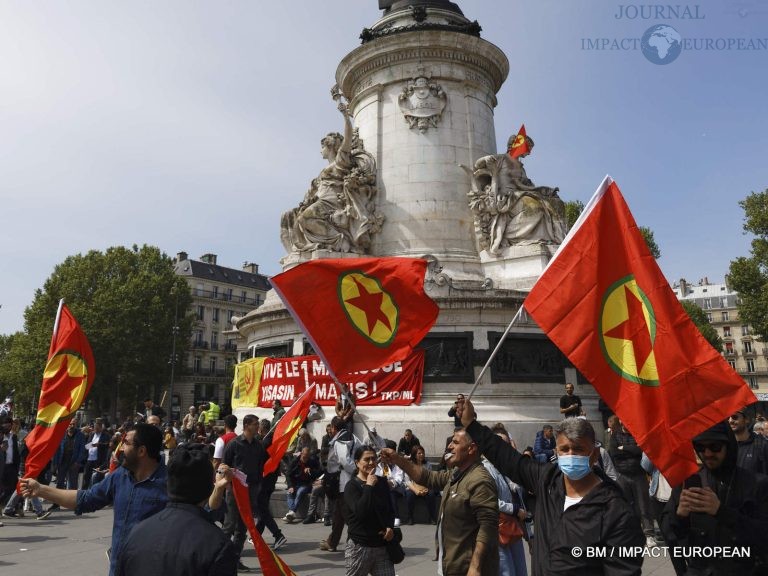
[(605, 303), (271, 563), (520, 144), (67, 379), (287, 429), (359, 313)]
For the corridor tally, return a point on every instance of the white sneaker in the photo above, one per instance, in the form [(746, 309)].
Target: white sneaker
[(650, 542), (397, 522)]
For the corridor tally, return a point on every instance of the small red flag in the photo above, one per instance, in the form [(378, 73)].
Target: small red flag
[(605, 303), (271, 563), (359, 313), (67, 379), (287, 429), (520, 144)]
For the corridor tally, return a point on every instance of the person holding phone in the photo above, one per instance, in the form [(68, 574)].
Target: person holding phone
[(721, 505)]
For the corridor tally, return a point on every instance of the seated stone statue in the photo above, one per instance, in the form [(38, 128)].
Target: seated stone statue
[(338, 211), (509, 209)]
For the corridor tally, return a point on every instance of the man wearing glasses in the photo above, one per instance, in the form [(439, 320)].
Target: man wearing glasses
[(753, 449), (722, 505), (137, 490)]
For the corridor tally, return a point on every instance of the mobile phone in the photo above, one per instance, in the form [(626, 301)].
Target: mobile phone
[(692, 482)]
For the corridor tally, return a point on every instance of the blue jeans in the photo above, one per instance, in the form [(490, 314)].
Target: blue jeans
[(298, 493)]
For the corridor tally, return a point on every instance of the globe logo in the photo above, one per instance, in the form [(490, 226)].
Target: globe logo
[(661, 44)]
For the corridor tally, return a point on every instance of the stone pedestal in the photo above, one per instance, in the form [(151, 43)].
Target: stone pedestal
[(517, 267)]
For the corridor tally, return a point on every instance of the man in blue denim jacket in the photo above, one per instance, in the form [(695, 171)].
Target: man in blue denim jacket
[(137, 490)]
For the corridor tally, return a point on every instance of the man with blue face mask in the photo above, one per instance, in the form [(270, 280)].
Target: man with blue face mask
[(577, 506)]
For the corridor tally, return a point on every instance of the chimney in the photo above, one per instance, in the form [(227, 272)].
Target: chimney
[(208, 258), (250, 267), (181, 256), (683, 287)]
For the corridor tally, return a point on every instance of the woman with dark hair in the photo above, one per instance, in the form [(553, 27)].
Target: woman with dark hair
[(370, 519), (414, 490)]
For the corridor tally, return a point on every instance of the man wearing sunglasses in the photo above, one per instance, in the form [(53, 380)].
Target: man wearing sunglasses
[(753, 449), (722, 505)]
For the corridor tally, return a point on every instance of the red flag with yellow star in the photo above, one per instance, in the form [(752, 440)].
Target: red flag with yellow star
[(67, 379), (520, 144), (287, 428), (359, 313), (605, 303)]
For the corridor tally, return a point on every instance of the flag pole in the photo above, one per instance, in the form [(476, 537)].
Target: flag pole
[(55, 327), (495, 351)]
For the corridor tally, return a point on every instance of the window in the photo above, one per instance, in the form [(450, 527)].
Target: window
[(200, 315), (732, 364), (215, 314), (229, 293), (215, 291), (729, 347), (243, 296), (230, 313), (709, 317), (198, 337), (198, 364), (199, 290), (747, 346), (727, 331), (745, 330), (725, 315), (707, 304), (212, 365), (214, 340), (753, 383), (205, 392), (750, 366), (258, 299), (723, 302)]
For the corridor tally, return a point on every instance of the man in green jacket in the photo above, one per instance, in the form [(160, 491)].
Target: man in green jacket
[(469, 511)]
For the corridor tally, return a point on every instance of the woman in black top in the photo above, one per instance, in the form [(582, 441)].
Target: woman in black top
[(370, 519)]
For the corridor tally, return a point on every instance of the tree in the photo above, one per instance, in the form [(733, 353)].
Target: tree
[(749, 275), (699, 317), (650, 241), (572, 210), (125, 300)]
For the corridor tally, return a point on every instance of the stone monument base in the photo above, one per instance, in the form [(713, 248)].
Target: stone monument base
[(517, 267)]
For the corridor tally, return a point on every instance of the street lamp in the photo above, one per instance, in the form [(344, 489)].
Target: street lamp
[(174, 332)]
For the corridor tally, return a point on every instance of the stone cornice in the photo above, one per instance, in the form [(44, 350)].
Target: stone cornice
[(423, 47)]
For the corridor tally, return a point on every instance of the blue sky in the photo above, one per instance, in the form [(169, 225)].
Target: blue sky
[(192, 125)]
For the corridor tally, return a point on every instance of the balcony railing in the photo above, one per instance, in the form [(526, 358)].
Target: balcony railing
[(224, 297), (199, 344)]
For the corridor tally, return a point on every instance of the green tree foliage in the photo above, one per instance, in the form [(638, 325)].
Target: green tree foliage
[(749, 275), (699, 318), (125, 300), (650, 242), (572, 210)]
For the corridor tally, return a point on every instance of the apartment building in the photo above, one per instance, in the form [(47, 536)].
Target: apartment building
[(218, 294)]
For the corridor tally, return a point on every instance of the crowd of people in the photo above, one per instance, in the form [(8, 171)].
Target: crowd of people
[(483, 494)]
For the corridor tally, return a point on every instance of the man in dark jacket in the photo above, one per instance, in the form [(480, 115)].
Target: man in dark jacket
[(70, 457), (301, 473), (544, 445), (722, 505), (181, 540), (626, 456), (577, 506), (753, 449)]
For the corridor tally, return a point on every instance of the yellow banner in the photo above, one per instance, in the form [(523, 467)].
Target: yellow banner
[(245, 386)]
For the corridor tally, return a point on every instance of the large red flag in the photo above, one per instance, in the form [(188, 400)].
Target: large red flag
[(359, 313), (67, 379), (287, 428), (605, 303), (271, 563)]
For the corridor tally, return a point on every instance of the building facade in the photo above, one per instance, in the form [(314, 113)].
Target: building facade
[(218, 295), (741, 348)]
